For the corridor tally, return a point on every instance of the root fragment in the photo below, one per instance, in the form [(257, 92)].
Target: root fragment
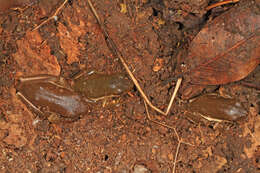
[(54, 16), (221, 3), (180, 141)]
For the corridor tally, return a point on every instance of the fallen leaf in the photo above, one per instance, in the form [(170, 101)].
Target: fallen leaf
[(228, 48), (69, 38), (34, 56), (69, 44)]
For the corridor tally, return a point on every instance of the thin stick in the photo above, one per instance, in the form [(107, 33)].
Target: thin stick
[(29, 103), (178, 84), (118, 54), (27, 5), (154, 121), (53, 16), (180, 141), (221, 3), (177, 151)]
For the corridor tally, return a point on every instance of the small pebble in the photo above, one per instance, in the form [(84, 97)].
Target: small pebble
[(141, 169)]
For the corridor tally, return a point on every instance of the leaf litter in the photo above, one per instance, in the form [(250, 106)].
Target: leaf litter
[(227, 49)]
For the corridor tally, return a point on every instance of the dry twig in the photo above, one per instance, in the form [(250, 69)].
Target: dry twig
[(180, 141), (221, 3), (21, 9), (118, 54), (53, 16)]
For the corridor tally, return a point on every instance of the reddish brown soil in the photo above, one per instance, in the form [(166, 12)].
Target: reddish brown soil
[(117, 137)]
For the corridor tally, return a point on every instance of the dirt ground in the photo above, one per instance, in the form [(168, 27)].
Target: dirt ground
[(117, 136)]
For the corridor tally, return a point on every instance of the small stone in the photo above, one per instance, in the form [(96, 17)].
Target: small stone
[(141, 169)]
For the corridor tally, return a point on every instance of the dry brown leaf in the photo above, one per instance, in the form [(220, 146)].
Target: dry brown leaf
[(34, 56), (69, 36), (228, 48)]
